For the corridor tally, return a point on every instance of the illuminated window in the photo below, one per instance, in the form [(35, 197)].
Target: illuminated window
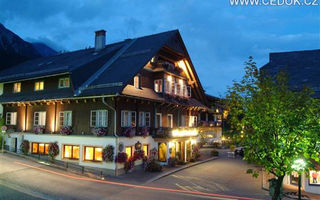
[(93, 153), (40, 148), (136, 82), (128, 118), (71, 152), (11, 118), (162, 153), (144, 119), (193, 120), (39, 118), (64, 82), (129, 151), (314, 177), (99, 118), (65, 118), (170, 120), (145, 148), (16, 87), (158, 85), (39, 85)]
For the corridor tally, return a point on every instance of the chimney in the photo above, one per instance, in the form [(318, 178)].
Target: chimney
[(100, 40)]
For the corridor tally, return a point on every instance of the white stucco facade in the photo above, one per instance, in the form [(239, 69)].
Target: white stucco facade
[(305, 184)]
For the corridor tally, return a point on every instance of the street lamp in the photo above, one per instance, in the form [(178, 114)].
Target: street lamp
[(299, 165)]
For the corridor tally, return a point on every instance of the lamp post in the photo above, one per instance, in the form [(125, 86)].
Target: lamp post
[(3, 131), (299, 165)]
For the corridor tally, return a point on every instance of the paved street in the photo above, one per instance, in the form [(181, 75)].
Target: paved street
[(23, 179)]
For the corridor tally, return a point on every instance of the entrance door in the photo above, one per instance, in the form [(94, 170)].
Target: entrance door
[(162, 152)]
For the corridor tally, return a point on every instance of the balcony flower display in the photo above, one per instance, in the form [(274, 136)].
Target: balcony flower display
[(53, 150), (99, 131), (108, 153), (38, 129), (25, 147), (129, 132), (66, 130), (122, 157), (145, 131)]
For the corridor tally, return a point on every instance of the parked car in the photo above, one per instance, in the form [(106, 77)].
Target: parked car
[(239, 151)]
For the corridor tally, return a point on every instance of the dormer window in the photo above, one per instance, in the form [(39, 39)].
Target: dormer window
[(39, 85), (64, 82), (158, 85), (17, 87), (136, 82)]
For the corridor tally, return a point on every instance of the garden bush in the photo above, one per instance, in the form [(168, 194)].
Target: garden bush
[(153, 166), (172, 162)]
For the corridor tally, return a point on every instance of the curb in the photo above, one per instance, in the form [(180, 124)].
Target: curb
[(180, 169)]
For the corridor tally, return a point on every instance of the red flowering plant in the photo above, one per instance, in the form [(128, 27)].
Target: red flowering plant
[(66, 130), (129, 132), (138, 155), (122, 157), (129, 165), (53, 150), (24, 146), (38, 129), (99, 131)]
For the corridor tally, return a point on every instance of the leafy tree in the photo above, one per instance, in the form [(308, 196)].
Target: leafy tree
[(278, 125)]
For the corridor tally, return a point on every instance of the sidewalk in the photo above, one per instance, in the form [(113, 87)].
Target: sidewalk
[(293, 189)]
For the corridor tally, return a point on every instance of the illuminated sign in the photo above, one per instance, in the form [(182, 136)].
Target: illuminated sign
[(184, 132)]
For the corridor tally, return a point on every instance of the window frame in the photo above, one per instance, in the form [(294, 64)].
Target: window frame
[(97, 121), (72, 155), (63, 81), (94, 154), (142, 121), (14, 119), (46, 146), (158, 125), (65, 112), (17, 87), (129, 119), (39, 120), (159, 83), (39, 86)]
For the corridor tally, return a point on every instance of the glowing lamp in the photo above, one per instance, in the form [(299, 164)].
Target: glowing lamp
[(184, 133)]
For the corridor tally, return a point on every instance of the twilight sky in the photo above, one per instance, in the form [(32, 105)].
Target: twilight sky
[(219, 37)]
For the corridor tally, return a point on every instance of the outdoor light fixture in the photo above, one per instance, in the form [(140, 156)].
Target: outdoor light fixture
[(299, 166)]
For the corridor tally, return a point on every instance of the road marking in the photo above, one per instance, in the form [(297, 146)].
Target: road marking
[(137, 186)]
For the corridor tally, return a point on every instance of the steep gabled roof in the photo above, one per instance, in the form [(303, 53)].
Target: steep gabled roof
[(103, 72), (301, 67)]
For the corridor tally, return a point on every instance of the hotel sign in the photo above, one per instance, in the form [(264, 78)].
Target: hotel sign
[(184, 132)]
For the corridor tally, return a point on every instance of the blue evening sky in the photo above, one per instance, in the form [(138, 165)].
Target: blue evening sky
[(219, 37)]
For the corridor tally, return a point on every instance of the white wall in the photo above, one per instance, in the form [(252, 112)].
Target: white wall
[(304, 184)]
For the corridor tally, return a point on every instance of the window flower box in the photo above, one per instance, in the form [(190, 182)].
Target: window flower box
[(66, 130), (144, 131), (129, 132), (99, 131), (38, 129)]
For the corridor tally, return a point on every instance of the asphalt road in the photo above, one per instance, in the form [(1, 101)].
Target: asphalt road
[(23, 179)]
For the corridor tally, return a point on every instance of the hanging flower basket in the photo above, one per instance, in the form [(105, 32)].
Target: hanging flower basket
[(121, 157), (108, 153), (24, 146), (100, 131), (38, 129), (53, 150), (66, 130)]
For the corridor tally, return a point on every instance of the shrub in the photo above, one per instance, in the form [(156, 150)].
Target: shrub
[(25, 147), (181, 162), (232, 147), (121, 157), (53, 150), (128, 165), (192, 160), (66, 130), (153, 166), (172, 162), (214, 153), (108, 153)]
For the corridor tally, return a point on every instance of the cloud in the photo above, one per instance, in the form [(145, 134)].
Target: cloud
[(219, 37)]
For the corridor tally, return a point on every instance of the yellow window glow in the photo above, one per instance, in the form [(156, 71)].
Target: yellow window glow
[(46, 149), (89, 153), (76, 152), (41, 148), (129, 151), (67, 151), (34, 147), (145, 149), (17, 87), (98, 154), (39, 85)]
